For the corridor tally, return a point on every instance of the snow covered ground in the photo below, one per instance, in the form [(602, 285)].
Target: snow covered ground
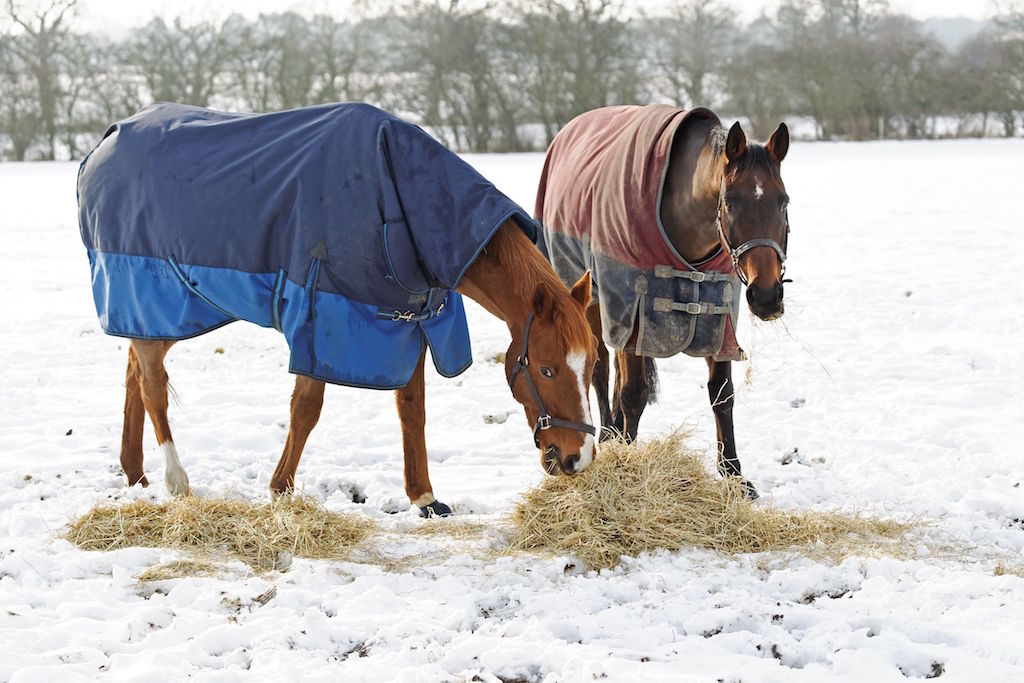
[(896, 376)]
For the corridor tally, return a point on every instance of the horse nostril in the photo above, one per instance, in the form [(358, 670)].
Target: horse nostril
[(778, 291), (551, 461), (569, 464)]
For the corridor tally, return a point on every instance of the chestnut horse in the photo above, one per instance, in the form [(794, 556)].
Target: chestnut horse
[(708, 190), (351, 232), (552, 346)]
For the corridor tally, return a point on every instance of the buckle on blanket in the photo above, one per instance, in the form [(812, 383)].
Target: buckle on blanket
[(692, 275), (405, 316)]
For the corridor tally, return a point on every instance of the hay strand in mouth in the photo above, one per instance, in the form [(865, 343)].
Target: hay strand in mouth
[(656, 494), (263, 536)]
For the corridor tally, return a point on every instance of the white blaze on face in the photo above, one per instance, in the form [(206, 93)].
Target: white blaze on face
[(758, 188), (577, 362)]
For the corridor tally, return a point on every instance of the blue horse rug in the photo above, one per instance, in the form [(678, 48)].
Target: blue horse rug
[(599, 204), (342, 226)]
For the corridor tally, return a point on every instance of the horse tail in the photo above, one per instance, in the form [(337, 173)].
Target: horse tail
[(651, 377)]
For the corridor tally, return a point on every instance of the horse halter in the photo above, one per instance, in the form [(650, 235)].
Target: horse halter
[(736, 252), (545, 421)]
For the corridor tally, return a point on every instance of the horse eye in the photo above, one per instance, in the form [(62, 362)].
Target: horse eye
[(547, 372)]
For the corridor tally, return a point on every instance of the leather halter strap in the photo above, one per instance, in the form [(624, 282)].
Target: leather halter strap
[(736, 252), (545, 421)]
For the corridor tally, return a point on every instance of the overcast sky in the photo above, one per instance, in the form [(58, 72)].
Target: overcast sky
[(122, 14)]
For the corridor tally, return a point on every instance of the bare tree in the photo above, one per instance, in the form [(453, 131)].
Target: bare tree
[(574, 55), (344, 57), (46, 31), (247, 66), (907, 76), (758, 89), (179, 63), (19, 101), (98, 89), (1010, 26), (830, 62), (691, 45)]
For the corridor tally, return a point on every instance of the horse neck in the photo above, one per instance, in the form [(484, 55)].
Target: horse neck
[(690, 204), (502, 279)]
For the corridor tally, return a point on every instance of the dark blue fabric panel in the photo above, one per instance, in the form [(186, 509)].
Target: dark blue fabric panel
[(260, 192)]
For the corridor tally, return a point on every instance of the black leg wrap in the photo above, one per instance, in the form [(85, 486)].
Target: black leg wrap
[(435, 509)]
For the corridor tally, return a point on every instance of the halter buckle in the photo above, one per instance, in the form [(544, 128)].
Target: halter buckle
[(544, 423)]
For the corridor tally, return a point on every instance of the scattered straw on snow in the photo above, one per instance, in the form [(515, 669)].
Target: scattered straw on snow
[(263, 536), (178, 569), (1009, 569), (632, 499), (657, 495)]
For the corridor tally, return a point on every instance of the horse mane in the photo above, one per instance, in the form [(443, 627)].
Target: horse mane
[(521, 256)]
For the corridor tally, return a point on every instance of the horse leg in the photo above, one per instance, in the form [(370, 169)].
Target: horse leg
[(307, 401), (152, 378), (134, 423), (601, 373), (632, 392), (410, 401), (722, 395)]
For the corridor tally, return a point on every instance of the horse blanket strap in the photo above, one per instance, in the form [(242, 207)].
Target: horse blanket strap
[(599, 205), (693, 308), (340, 225), (545, 421)]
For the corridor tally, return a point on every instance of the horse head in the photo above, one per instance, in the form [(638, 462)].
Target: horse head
[(549, 365), (753, 223)]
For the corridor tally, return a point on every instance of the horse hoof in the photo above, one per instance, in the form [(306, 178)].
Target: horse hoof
[(177, 483), (749, 489), (435, 509), (139, 478)]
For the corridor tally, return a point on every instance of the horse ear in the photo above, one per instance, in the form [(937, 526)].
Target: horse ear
[(778, 143), (736, 143), (581, 290), (543, 301)]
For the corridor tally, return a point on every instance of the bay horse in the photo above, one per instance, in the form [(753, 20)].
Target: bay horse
[(350, 231), (671, 212)]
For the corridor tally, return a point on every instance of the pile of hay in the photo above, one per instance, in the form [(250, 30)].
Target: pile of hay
[(657, 494), (263, 536)]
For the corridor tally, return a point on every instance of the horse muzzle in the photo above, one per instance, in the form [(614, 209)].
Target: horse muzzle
[(766, 302), (554, 464)]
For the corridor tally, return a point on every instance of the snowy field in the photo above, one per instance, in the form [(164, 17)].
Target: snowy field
[(892, 386)]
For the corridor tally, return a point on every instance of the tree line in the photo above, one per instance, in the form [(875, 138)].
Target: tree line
[(507, 76)]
